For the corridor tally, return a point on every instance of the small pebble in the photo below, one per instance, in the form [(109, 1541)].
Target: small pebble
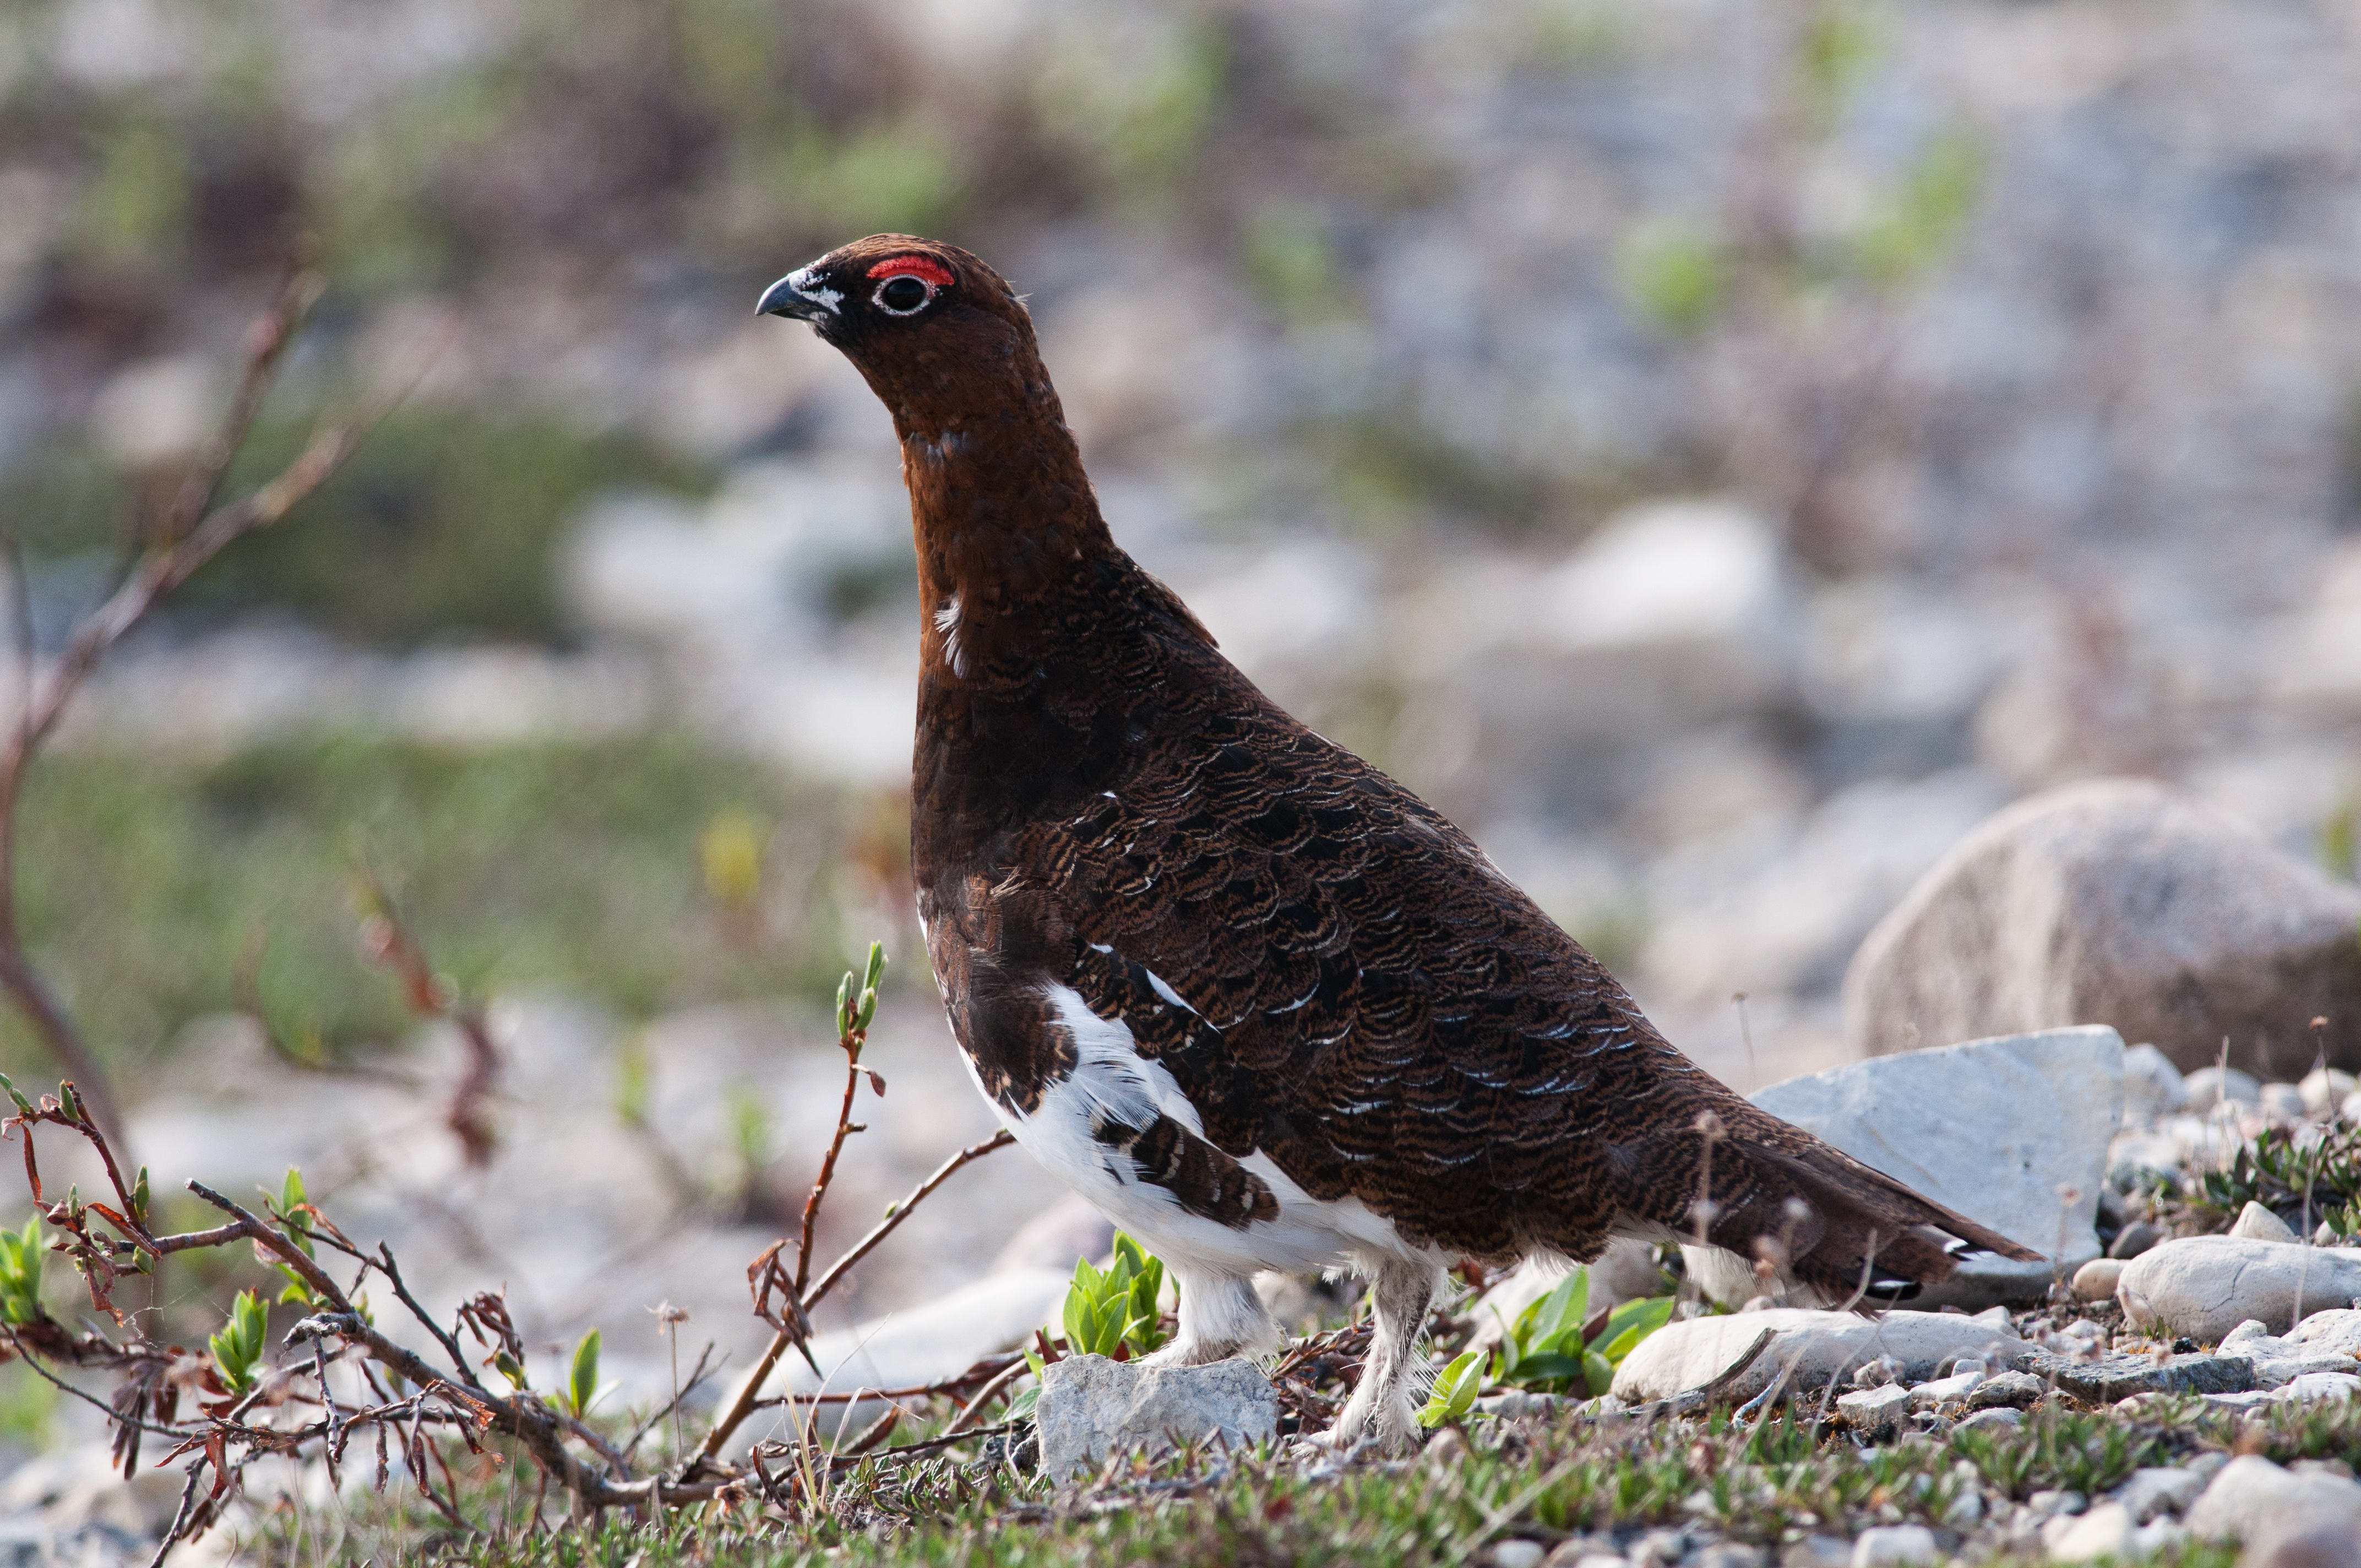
[(1817, 1552), (2104, 1532), (1896, 1546), (1951, 1390), (1728, 1554), (2257, 1223), (2282, 1101), (2135, 1239), (2095, 1281), (2158, 1489), (2325, 1088), (2049, 1502), (2012, 1389), (1516, 1554), (1998, 1419), (2208, 1087)]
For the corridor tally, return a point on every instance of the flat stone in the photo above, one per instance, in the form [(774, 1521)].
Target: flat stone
[(1092, 1409), (1896, 1546), (2203, 1286), (2114, 1377), (1877, 1411), (2280, 1362), (2320, 1387), (2336, 1332), (1997, 1419), (1739, 1356), (2250, 1494), (2010, 1390), (1992, 1128), (2122, 902), (1942, 1391), (2139, 1237)]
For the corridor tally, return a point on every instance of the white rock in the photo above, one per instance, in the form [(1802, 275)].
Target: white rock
[(2257, 1223), (2203, 1286), (2000, 1419), (1942, 1391), (2324, 1089), (2250, 1492), (1876, 1409), (1092, 1409), (2104, 1532), (1516, 1554), (2351, 1110), (2152, 1086), (2122, 902), (2157, 1489), (2283, 1101), (2321, 1387), (2336, 1332), (2209, 1088), (1896, 1546), (2096, 1280), (1701, 1353), (2280, 1362), (1992, 1128)]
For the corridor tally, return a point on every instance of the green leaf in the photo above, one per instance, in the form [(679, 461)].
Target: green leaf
[(1022, 1406), (1548, 1367), (70, 1101), (1630, 1322), (1597, 1373), (1561, 1314), (508, 1366), (844, 1005), (24, 1106), (1455, 1390), (139, 1197), (582, 1380)]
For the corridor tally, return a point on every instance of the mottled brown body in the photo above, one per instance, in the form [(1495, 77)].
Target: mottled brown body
[(1348, 986)]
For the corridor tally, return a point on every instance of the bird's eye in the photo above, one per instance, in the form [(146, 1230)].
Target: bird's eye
[(903, 294)]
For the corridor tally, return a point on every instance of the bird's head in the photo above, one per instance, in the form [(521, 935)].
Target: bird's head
[(929, 324)]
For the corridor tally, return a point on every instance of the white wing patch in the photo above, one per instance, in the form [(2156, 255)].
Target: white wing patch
[(1112, 1080)]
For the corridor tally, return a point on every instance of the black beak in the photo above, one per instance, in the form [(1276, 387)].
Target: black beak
[(784, 298)]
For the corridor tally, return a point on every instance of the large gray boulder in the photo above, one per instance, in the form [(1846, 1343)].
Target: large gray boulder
[(2122, 902), (2013, 1133), (1092, 1409)]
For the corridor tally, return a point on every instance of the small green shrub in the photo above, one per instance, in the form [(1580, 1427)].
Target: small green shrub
[(237, 1348), (1545, 1347)]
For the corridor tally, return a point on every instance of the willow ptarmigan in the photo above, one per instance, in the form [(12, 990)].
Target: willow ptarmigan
[(1259, 1004)]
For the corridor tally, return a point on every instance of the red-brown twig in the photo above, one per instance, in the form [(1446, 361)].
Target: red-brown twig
[(751, 1391), (186, 538)]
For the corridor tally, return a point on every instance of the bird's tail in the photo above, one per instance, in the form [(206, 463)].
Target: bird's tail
[(1798, 1209)]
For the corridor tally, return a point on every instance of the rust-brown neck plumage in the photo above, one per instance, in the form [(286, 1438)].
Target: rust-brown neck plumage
[(1001, 511)]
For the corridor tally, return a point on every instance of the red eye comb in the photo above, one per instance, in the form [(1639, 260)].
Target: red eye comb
[(933, 271)]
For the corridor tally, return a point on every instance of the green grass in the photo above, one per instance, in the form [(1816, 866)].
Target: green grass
[(152, 885), (1544, 1484)]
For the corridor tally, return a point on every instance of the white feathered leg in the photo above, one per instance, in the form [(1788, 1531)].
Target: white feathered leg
[(1393, 1379), (1221, 1316)]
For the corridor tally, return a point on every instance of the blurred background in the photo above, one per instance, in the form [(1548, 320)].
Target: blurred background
[(1717, 452)]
